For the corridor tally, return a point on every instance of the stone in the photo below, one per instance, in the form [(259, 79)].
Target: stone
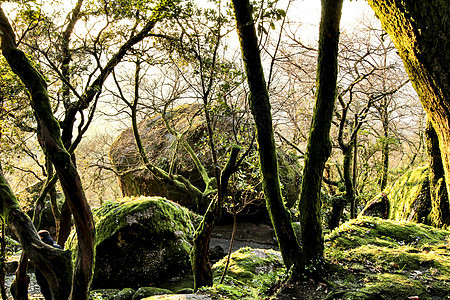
[(408, 199), (163, 150), (103, 293), (140, 242), (125, 294), (145, 292)]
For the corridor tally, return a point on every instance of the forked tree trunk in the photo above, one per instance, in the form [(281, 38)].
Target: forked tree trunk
[(318, 148), (201, 266), (420, 31), (260, 107)]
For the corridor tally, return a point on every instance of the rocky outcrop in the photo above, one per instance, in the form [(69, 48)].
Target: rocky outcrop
[(408, 199), (164, 151), (142, 242)]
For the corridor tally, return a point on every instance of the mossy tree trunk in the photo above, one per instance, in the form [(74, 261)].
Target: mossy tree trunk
[(50, 140), (384, 145), (260, 107), (420, 31), (318, 148), (53, 263), (63, 218), (440, 211), (201, 266)]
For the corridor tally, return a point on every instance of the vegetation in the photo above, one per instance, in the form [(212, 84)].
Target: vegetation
[(218, 129)]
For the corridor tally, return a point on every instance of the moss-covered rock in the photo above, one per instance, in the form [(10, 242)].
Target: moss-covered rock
[(125, 294), (251, 274), (384, 259), (140, 242), (182, 297), (107, 294), (145, 292), (409, 199), (163, 151)]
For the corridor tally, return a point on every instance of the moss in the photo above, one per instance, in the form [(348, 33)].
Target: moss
[(384, 259), (390, 286), (384, 233), (410, 196), (140, 241), (251, 274), (161, 210), (125, 294), (111, 216), (144, 292), (103, 294)]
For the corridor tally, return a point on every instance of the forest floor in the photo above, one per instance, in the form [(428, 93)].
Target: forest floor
[(367, 258)]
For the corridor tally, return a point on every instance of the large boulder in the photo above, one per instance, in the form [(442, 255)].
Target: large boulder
[(163, 150), (407, 199), (142, 242)]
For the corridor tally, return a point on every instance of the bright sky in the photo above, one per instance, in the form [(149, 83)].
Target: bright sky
[(308, 12)]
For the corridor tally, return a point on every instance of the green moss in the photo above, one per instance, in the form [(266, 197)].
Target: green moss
[(384, 259), (156, 232), (161, 210), (410, 196), (144, 292), (103, 294), (384, 233), (251, 274), (112, 216), (390, 286), (125, 294)]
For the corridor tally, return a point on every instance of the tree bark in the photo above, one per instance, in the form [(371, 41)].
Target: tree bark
[(384, 147), (260, 107), (440, 211), (50, 139), (420, 31), (318, 148), (53, 263)]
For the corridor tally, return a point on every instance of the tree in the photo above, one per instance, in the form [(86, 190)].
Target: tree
[(50, 138), (319, 145), (260, 108), (440, 209), (420, 32), (195, 40)]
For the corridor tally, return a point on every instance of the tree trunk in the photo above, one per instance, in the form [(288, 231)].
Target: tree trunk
[(260, 107), (348, 179), (201, 266), (384, 149), (53, 263), (3, 262), (50, 139), (337, 210), (319, 145), (440, 211), (420, 31)]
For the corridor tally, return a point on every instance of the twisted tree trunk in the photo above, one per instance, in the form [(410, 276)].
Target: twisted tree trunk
[(49, 136)]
